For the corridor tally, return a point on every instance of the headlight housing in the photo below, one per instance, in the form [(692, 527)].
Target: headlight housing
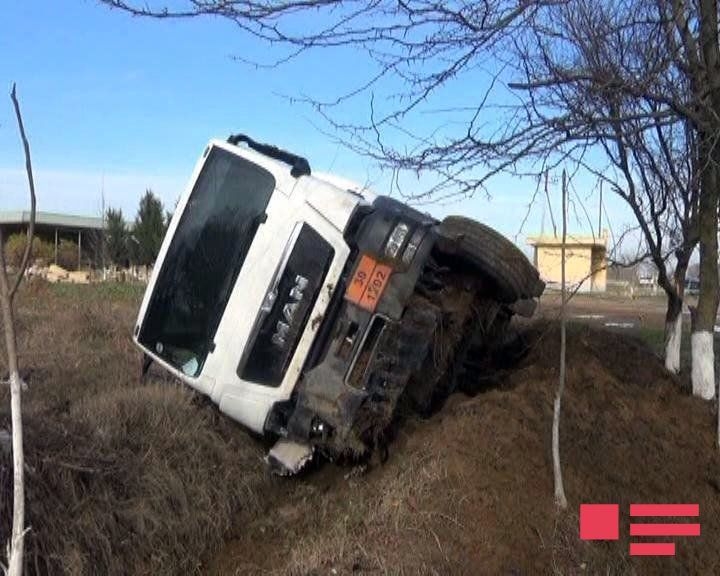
[(396, 240), (412, 245)]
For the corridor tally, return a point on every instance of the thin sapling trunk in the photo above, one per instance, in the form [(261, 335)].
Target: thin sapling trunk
[(560, 499)]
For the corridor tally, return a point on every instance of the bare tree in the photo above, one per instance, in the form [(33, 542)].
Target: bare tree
[(656, 175), (633, 84), (594, 82), (592, 74), (560, 499), (638, 80), (706, 75), (8, 290)]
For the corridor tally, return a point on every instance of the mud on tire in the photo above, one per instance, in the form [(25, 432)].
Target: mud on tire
[(493, 255)]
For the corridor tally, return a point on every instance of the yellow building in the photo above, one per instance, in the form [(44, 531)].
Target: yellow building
[(585, 261)]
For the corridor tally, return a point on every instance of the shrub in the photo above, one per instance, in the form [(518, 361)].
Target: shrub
[(68, 254), (15, 247)]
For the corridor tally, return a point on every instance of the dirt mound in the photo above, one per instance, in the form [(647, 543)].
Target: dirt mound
[(470, 490)]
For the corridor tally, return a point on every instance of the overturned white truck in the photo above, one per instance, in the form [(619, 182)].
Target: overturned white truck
[(306, 307)]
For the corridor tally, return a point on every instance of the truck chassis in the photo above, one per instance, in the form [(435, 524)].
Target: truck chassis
[(471, 284)]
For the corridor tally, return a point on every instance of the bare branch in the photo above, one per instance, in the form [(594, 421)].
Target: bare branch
[(31, 185), (620, 88)]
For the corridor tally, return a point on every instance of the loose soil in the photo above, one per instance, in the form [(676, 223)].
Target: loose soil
[(470, 490)]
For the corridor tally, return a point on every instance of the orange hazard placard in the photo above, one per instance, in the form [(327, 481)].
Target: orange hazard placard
[(368, 283)]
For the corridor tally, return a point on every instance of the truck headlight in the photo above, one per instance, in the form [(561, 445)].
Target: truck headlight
[(396, 240), (413, 245)]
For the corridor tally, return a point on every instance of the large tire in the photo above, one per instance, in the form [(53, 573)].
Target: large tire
[(493, 255)]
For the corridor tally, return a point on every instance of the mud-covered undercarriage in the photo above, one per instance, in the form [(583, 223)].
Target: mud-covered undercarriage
[(468, 286)]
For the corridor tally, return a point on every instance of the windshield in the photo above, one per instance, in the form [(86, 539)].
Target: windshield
[(210, 244)]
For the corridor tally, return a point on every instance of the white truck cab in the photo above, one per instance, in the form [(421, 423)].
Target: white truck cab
[(282, 295)]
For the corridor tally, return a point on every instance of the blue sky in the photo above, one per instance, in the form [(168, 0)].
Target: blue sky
[(124, 104)]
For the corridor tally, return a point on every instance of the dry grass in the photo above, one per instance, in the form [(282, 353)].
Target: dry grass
[(127, 478), (391, 509), (391, 520), (123, 477)]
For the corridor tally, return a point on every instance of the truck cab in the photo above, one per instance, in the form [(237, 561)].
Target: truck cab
[(282, 295)]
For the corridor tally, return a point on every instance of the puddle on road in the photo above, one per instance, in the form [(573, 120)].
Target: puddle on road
[(609, 323), (620, 324)]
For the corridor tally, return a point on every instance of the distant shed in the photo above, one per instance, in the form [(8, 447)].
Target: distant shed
[(585, 261), (52, 227)]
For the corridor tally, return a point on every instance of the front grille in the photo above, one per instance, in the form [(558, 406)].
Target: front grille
[(282, 326)]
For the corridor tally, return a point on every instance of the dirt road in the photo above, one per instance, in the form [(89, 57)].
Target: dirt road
[(610, 311)]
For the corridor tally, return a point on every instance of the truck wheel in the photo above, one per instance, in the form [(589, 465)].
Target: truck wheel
[(493, 255)]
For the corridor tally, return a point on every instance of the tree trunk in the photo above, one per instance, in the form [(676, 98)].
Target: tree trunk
[(673, 334), (15, 560), (673, 317), (560, 499), (703, 357), (7, 293)]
